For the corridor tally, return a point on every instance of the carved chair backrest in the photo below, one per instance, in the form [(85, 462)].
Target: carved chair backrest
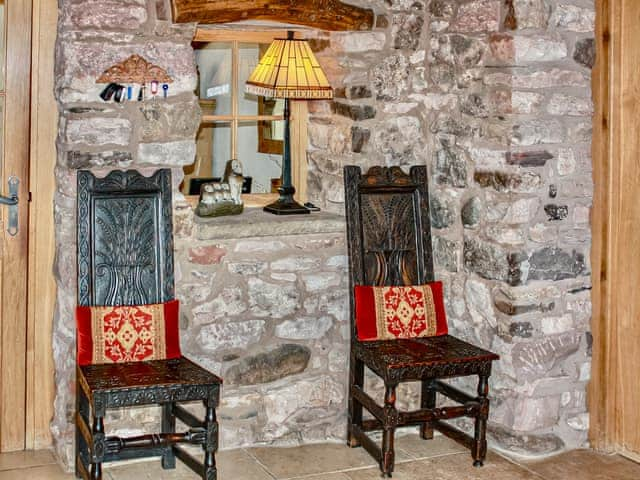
[(125, 238), (388, 228)]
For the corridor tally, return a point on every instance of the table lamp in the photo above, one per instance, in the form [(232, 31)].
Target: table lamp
[(288, 70)]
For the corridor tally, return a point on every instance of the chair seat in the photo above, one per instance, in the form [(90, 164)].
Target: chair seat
[(143, 383), (423, 358)]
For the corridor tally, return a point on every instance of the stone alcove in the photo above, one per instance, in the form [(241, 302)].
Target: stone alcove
[(500, 116)]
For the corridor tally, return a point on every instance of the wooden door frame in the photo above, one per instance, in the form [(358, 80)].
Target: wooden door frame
[(615, 170), (30, 405), (40, 379), (13, 278)]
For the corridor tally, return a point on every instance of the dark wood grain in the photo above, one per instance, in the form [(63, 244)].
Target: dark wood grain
[(125, 257), (389, 243), (330, 15)]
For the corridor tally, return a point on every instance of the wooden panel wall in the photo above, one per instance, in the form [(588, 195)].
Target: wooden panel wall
[(42, 287), (15, 161), (615, 390)]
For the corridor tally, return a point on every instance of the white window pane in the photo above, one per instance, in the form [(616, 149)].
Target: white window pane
[(214, 62), (261, 167)]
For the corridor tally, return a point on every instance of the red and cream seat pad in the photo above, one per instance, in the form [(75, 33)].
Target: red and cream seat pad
[(128, 333), (385, 313)]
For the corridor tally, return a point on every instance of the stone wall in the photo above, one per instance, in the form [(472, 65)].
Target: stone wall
[(493, 96)]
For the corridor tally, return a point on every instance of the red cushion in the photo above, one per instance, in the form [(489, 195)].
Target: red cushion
[(385, 313), (128, 333)]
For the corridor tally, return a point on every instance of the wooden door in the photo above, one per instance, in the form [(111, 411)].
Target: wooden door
[(15, 84), (615, 390)]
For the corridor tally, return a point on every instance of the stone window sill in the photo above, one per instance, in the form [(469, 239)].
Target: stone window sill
[(254, 222)]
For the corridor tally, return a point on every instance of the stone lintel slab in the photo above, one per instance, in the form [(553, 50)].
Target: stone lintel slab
[(253, 222)]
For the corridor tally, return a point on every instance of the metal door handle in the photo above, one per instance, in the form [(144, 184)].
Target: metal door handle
[(12, 201)]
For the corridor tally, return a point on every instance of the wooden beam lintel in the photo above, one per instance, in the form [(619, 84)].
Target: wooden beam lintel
[(331, 15)]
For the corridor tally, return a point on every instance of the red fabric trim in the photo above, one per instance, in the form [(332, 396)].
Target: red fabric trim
[(365, 311), (172, 328), (84, 338), (85, 342), (441, 314)]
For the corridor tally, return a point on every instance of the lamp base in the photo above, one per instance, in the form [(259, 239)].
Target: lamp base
[(286, 205)]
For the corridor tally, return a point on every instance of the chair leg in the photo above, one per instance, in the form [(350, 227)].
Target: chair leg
[(211, 444), (356, 378), (97, 432), (479, 451), (82, 449), (390, 423), (168, 426), (427, 400)]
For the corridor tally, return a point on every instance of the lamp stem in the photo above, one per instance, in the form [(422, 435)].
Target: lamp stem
[(286, 205)]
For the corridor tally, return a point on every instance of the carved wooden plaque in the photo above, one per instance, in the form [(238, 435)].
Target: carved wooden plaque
[(134, 69), (330, 15)]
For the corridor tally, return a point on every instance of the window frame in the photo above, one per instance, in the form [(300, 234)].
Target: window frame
[(299, 109)]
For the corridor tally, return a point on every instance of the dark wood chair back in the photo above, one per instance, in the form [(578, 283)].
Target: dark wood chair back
[(389, 234), (125, 238)]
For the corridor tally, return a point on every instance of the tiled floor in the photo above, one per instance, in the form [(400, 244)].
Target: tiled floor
[(439, 459)]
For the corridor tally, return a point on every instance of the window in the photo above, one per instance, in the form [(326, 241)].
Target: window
[(239, 125)]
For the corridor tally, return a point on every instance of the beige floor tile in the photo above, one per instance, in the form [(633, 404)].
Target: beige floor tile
[(310, 459), (586, 465), (46, 472), (328, 476), (232, 465), (10, 461), (451, 467), (416, 447)]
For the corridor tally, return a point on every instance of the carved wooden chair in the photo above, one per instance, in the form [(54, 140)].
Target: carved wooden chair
[(389, 239), (125, 258)]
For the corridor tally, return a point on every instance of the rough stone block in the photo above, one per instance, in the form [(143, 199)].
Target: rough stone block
[(574, 18), (536, 413), (556, 264), (355, 112), (406, 31), (457, 50), (502, 48), (550, 78), (446, 253), (218, 337), (556, 212), (98, 131), (228, 303), (105, 14), (77, 159), (280, 362), (471, 212), (585, 52), (561, 104), (207, 255), (359, 138), (272, 300), (529, 159), (304, 328), (477, 16), (508, 182), (173, 154), (390, 77), (450, 165), (535, 359), (490, 261), (443, 212), (356, 42), (537, 132), (532, 14), (539, 49)]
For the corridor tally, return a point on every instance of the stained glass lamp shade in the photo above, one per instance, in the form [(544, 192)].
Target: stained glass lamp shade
[(288, 70)]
